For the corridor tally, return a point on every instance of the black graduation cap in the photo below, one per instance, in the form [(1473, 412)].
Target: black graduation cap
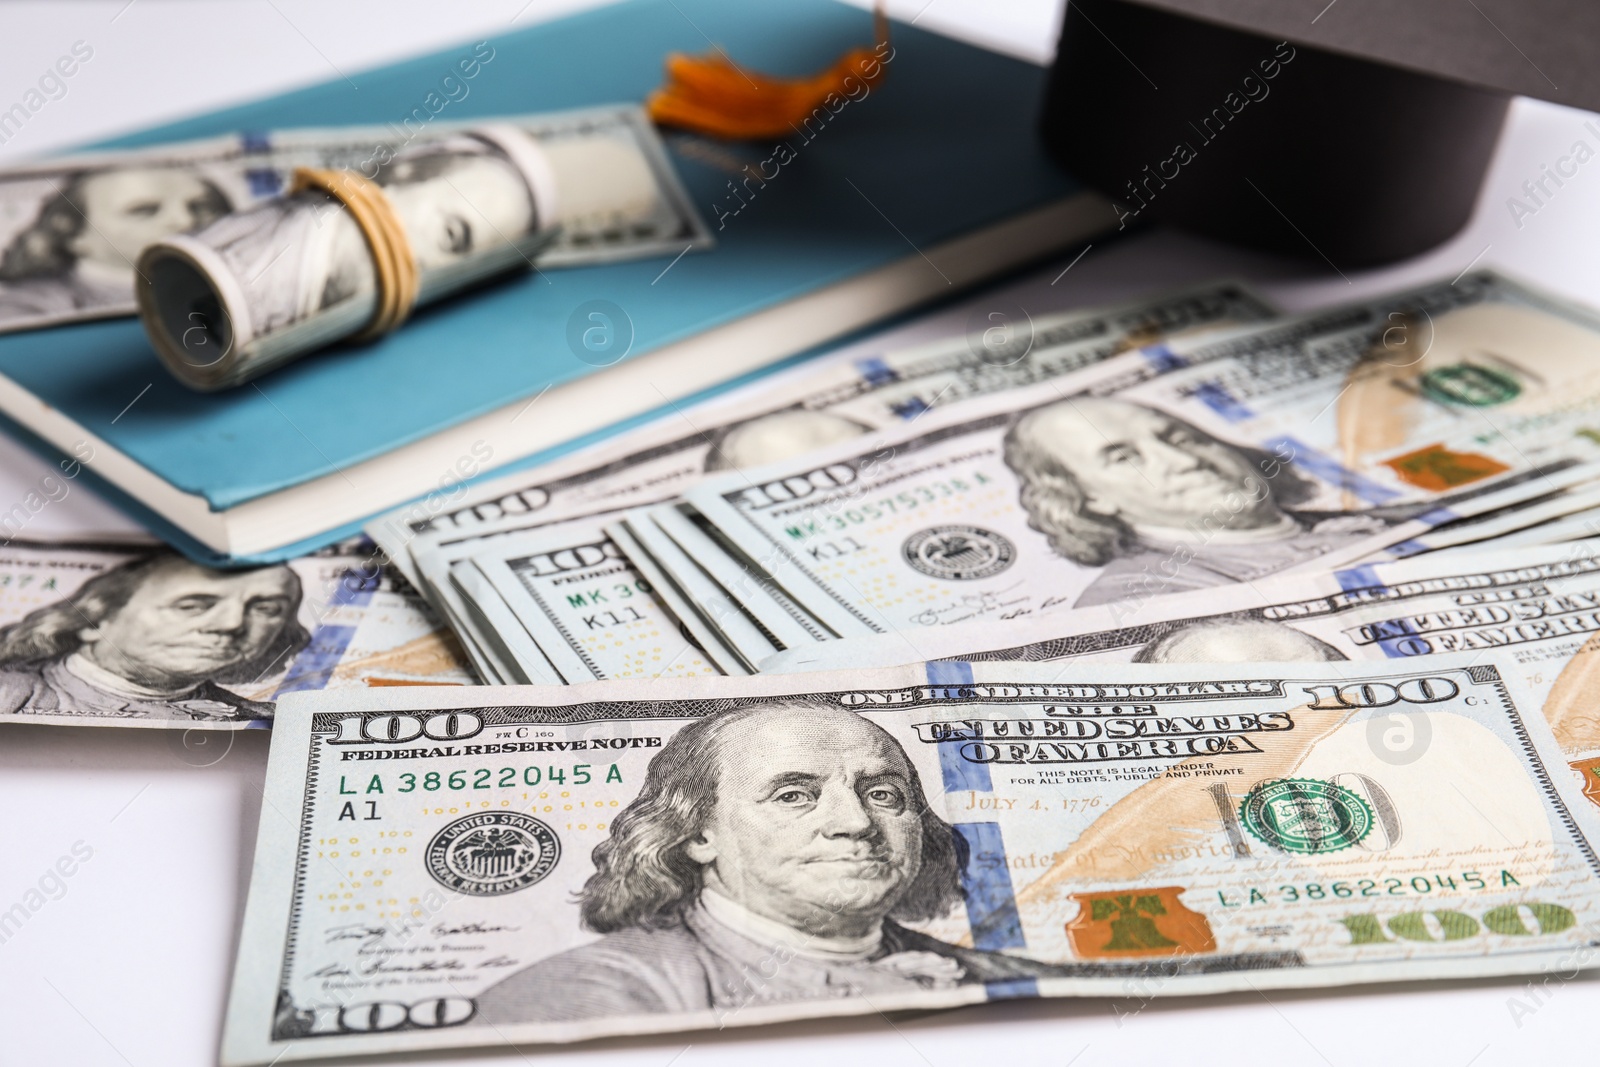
[(1357, 130)]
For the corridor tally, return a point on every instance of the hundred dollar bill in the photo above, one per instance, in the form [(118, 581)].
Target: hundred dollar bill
[(135, 635), (1535, 609), (72, 228), (591, 612), (1411, 396), (552, 865), (266, 285), (654, 463), (1570, 505), (1008, 349), (760, 580), (1575, 527), (1064, 494), (813, 406)]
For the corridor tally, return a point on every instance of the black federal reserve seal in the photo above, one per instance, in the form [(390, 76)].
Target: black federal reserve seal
[(494, 853), (960, 553)]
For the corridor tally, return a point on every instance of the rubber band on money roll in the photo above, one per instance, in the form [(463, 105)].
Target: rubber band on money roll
[(394, 264), (711, 94)]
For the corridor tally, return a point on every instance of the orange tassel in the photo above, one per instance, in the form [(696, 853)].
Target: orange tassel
[(711, 94)]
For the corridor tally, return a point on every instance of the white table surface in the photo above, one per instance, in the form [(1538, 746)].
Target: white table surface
[(130, 966)]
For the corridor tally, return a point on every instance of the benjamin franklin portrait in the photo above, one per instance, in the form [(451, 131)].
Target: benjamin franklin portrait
[(1122, 486), (155, 638), (456, 198), (772, 855), (77, 254)]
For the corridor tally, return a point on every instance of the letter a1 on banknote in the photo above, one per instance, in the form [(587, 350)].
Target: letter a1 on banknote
[(492, 865)]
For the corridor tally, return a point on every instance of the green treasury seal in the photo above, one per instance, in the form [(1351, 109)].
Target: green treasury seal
[(1306, 815)]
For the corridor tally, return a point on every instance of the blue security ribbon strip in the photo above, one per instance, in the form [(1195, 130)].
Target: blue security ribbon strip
[(985, 878), (315, 664)]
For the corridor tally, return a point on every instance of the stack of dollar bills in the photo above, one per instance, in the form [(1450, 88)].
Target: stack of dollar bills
[(1171, 648), (1003, 483)]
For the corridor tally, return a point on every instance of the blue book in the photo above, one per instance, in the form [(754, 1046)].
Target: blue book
[(932, 182)]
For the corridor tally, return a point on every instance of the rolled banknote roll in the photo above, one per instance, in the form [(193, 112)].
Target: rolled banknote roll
[(257, 289)]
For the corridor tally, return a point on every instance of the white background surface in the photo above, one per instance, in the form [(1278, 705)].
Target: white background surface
[(130, 966)]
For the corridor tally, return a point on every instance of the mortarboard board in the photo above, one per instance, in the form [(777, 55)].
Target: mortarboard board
[(1357, 130)]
